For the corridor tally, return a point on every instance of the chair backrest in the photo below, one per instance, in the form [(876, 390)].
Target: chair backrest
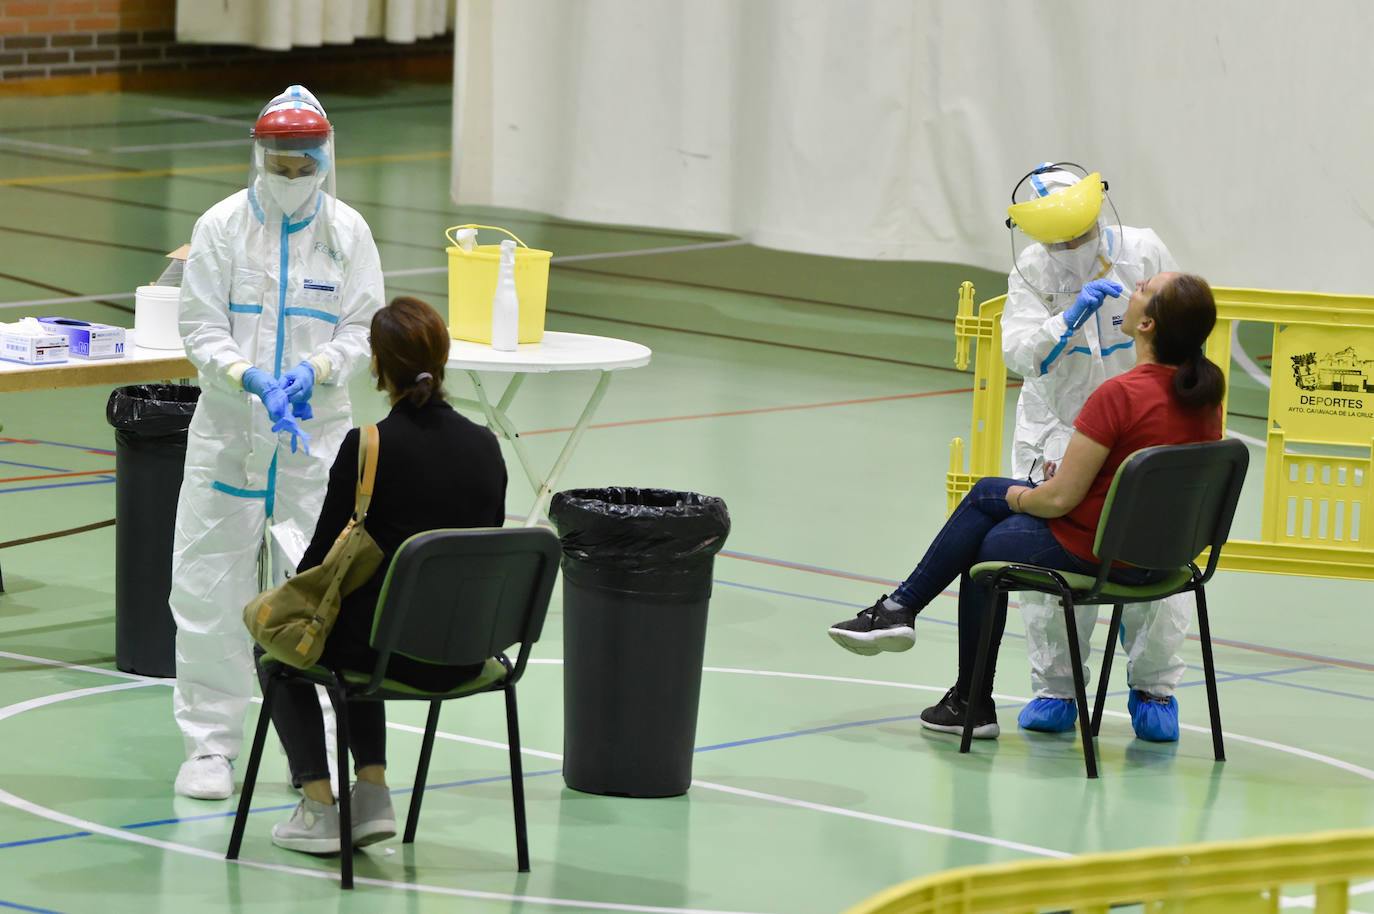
[(461, 596), (1168, 503)]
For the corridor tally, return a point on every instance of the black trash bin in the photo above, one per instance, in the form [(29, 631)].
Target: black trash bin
[(636, 585), (150, 422)]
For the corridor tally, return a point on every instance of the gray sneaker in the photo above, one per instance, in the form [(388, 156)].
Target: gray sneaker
[(373, 818), (313, 829)]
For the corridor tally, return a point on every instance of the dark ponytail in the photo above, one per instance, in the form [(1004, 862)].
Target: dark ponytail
[(1184, 313)]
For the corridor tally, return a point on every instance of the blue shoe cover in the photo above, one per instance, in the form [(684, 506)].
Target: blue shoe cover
[(1049, 715), (1154, 719)]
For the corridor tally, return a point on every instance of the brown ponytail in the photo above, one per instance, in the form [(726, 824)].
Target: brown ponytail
[(410, 341)]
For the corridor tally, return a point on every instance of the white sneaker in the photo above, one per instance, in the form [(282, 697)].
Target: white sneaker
[(313, 829), (373, 817), (205, 777)]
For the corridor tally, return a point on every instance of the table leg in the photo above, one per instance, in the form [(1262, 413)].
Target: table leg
[(502, 425), (545, 491)]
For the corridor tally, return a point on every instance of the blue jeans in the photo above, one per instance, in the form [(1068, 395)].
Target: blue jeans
[(985, 529)]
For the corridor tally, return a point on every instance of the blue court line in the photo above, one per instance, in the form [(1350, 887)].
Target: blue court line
[(1220, 642), (79, 447), (229, 814), (60, 485), (1226, 642), (810, 731), (34, 466), (733, 744), (15, 906)]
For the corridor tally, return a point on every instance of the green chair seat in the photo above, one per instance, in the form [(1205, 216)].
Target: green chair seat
[(1082, 584)]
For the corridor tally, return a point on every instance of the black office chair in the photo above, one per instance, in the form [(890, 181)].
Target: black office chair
[(1165, 506), (450, 597)]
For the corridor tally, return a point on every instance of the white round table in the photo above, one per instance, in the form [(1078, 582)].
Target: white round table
[(556, 352)]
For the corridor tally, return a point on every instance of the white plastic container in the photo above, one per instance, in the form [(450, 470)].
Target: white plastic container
[(155, 317)]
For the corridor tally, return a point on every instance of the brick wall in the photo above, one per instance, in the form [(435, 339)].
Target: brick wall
[(93, 44)]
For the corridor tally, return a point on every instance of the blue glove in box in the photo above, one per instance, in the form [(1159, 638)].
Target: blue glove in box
[(88, 340)]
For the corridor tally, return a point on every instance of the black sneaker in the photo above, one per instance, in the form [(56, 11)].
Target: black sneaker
[(876, 629), (948, 717)]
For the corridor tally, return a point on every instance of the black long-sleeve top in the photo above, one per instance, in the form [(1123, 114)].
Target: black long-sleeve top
[(435, 469)]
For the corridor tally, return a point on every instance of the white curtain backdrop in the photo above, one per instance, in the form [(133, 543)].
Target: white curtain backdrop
[(277, 25), (1240, 131)]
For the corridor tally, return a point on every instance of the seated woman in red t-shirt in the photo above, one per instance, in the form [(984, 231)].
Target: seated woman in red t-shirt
[(1172, 396)]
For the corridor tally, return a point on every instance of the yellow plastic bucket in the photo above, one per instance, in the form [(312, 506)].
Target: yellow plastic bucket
[(472, 286)]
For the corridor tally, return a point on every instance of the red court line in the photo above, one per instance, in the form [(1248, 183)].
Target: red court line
[(76, 446), (1238, 645), (768, 409), (60, 475)]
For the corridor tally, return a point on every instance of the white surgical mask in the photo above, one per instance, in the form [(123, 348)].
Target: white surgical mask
[(291, 193)]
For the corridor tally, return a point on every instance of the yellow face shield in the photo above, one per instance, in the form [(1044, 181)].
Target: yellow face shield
[(1063, 215)]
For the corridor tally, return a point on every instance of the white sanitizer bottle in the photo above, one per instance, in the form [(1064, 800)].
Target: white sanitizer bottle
[(505, 307)]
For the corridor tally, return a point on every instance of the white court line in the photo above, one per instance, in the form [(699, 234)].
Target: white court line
[(44, 812), (36, 302), (391, 274), (46, 147), (672, 249), (605, 255), (886, 820), (198, 144), (121, 834), (207, 118), (1248, 439), (1308, 901), (1243, 358)]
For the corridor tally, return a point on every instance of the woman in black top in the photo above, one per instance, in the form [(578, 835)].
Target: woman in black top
[(435, 469)]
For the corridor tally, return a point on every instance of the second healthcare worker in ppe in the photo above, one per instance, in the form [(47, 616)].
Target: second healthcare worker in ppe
[(1062, 331), (278, 294)]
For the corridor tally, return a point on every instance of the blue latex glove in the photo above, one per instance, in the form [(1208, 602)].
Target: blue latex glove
[(299, 382), (289, 424), (257, 381), (1089, 300), (302, 411)]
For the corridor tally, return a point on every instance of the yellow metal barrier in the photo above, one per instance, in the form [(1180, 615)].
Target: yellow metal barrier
[(1318, 507), (1229, 877)]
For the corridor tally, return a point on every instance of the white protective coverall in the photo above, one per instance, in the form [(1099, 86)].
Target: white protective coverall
[(1060, 370), (271, 290)]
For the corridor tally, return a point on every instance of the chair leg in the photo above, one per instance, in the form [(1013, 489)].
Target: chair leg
[(517, 782), (1213, 706), (421, 773), (250, 775), (982, 678), (1102, 678), (1080, 690), (339, 700)]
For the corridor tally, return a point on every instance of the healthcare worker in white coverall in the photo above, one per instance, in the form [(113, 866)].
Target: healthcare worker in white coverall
[(1061, 331), (277, 297)]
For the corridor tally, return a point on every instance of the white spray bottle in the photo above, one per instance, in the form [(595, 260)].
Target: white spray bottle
[(505, 307)]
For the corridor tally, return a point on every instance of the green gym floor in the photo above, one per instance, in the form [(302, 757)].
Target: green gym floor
[(816, 396)]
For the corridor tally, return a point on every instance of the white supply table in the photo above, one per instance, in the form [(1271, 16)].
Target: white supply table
[(556, 352), (137, 366)]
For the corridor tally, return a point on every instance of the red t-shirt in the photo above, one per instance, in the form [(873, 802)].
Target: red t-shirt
[(1128, 412)]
